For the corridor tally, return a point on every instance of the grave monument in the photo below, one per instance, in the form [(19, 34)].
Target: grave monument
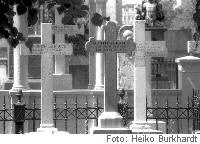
[(142, 79), (47, 50), (62, 78), (110, 121)]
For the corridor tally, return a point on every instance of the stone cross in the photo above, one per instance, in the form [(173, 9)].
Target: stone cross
[(62, 78), (142, 73), (47, 50), (110, 47)]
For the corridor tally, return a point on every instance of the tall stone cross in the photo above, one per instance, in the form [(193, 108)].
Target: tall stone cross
[(47, 50), (110, 47), (62, 78), (142, 73)]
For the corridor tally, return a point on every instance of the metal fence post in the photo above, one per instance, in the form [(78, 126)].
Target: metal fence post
[(19, 114)]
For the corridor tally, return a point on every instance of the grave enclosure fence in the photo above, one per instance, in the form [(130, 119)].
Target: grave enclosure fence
[(77, 119)]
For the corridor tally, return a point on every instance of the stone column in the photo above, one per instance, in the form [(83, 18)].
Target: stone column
[(99, 83), (47, 124), (92, 33), (141, 80), (20, 62)]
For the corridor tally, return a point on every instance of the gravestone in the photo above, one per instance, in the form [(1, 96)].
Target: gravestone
[(110, 121), (62, 78), (47, 50), (142, 75)]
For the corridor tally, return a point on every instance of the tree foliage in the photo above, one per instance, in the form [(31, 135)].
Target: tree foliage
[(72, 10)]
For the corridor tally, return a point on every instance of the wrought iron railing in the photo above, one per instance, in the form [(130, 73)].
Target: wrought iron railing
[(164, 73), (76, 118)]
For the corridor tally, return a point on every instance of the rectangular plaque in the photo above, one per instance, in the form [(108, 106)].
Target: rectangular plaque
[(68, 29), (153, 46), (54, 49), (103, 46)]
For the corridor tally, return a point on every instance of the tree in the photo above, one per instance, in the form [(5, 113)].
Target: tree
[(72, 10)]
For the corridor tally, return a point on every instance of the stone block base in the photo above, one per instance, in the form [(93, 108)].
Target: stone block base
[(97, 130), (148, 127), (110, 120), (62, 82), (47, 128)]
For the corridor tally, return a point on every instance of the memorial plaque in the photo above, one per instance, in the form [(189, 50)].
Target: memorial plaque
[(54, 49), (118, 46), (68, 29)]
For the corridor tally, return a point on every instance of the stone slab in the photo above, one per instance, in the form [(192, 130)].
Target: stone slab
[(62, 82), (148, 127), (110, 120)]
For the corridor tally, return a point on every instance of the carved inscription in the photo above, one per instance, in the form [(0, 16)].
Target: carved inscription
[(54, 49), (68, 29), (118, 46)]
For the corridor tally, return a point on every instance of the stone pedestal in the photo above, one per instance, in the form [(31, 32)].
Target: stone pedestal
[(142, 80), (188, 74), (47, 128), (148, 127), (110, 120)]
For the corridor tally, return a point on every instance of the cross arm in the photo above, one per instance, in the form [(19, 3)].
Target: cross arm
[(103, 46), (152, 48), (54, 49)]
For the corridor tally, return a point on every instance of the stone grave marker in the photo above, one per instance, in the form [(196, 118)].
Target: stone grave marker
[(62, 78), (47, 50), (142, 73), (110, 118)]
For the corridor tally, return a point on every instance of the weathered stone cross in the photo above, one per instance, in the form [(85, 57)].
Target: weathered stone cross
[(62, 78), (142, 73), (47, 50), (110, 118)]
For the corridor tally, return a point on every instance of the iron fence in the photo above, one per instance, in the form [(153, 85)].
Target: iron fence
[(79, 118), (164, 73)]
